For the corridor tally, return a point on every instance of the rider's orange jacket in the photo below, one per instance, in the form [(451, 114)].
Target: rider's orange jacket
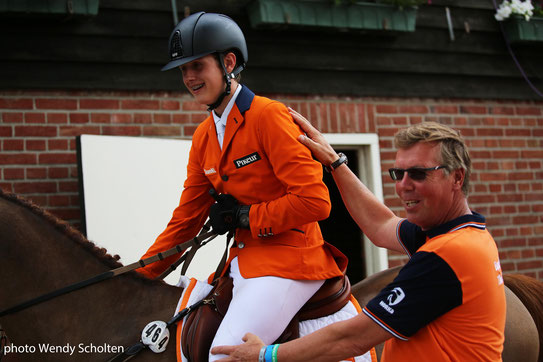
[(261, 164)]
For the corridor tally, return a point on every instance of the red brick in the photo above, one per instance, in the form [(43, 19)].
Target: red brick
[(50, 103), (59, 200), (473, 109), (13, 117), (420, 109), (532, 154), (14, 173), (519, 176), (35, 187), (502, 110), (145, 118), (533, 264), (198, 118), (163, 118), (518, 132), (13, 145), (506, 154), (35, 145), (58, 172), (529, 111), (79, 118), (34, 117), (189, 130), (16, 103), (526, 219), (17, 159), (36, 173), (140, 104), (66, 214), (193, 106), (57, 118), (58, 144), (68, 186), (93, 103), (6, 131), (162, 131), (492, 176), (386, 108), (122, 130), (67, 131), (170, 105), (498, 132), (100, 118), (448, 109), (121, 118), (35, 131), (56, 158)]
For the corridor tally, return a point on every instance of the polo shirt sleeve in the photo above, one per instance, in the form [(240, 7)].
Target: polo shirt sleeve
[(425, 289), (410, 236)]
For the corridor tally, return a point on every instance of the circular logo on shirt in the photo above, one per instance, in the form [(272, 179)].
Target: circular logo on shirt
[(396, 296)]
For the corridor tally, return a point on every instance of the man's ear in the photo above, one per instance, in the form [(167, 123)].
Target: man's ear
[(459, 175), (230, 61)]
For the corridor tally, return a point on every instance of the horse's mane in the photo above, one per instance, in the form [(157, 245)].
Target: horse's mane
[(66, 229), (530, 292)]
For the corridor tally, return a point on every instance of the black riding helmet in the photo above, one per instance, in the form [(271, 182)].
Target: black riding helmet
[(202, 34)]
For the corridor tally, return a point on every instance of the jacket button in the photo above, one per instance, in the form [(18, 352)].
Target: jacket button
[(241, 245), (224, 177)]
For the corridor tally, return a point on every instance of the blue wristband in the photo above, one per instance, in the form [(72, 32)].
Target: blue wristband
[(268, 354)]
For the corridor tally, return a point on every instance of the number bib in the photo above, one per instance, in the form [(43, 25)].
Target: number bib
[(156, 335)]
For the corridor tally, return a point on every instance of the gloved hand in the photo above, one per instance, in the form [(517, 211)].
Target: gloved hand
[(226, 214)]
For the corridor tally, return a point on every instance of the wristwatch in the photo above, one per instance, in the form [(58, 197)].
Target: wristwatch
[(342, 159)]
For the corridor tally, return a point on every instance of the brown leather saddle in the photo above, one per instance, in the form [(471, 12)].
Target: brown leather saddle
[(202, 323)]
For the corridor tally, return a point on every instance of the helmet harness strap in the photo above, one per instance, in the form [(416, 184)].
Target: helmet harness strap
[(226, 92)]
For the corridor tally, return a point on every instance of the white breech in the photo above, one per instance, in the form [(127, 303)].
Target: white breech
[(263, 306)]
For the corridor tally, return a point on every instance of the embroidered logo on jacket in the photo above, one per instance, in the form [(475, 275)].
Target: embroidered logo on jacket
[(211, 171), (247, 160)]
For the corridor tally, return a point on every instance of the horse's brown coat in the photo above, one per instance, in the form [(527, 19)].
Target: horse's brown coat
[(39, 253)]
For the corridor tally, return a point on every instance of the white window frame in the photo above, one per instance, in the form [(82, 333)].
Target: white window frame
[(369, 165)]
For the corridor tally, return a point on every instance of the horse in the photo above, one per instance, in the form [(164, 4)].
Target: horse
[(40, 253)]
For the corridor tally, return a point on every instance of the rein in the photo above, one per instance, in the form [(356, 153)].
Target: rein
[(202, 239)]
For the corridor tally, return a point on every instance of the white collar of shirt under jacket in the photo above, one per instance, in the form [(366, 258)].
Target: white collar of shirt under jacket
[(220, 122)]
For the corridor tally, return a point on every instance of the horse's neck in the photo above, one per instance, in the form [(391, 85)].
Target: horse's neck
[(37, 258)]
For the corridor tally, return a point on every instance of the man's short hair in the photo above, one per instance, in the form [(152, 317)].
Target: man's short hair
[(454, 152)]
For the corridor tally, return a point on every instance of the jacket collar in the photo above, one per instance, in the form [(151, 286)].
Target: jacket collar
[(475, 220), (235, 118)]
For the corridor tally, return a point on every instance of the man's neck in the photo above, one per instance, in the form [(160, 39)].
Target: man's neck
[(220, 109)]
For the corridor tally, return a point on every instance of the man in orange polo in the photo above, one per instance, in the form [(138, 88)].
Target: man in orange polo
[(448, 302)]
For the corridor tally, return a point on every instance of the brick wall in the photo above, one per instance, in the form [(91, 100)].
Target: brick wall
[(38, 158)]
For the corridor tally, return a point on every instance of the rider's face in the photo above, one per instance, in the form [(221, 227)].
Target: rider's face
[(203, 78)]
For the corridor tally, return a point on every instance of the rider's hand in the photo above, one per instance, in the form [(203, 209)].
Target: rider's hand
[(226, 214)]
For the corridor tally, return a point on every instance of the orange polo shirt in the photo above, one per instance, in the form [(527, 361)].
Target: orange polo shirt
[(448, 302)]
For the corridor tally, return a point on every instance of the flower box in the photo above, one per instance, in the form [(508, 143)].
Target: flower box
[(518, 29), (325, 14), (49, 7)]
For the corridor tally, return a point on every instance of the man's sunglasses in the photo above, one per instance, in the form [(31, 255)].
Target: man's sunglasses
[(414, 173)]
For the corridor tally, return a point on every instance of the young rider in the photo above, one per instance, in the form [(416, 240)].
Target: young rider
[(247, 150)]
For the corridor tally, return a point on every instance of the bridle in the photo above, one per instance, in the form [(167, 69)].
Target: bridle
[(203, 238)]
